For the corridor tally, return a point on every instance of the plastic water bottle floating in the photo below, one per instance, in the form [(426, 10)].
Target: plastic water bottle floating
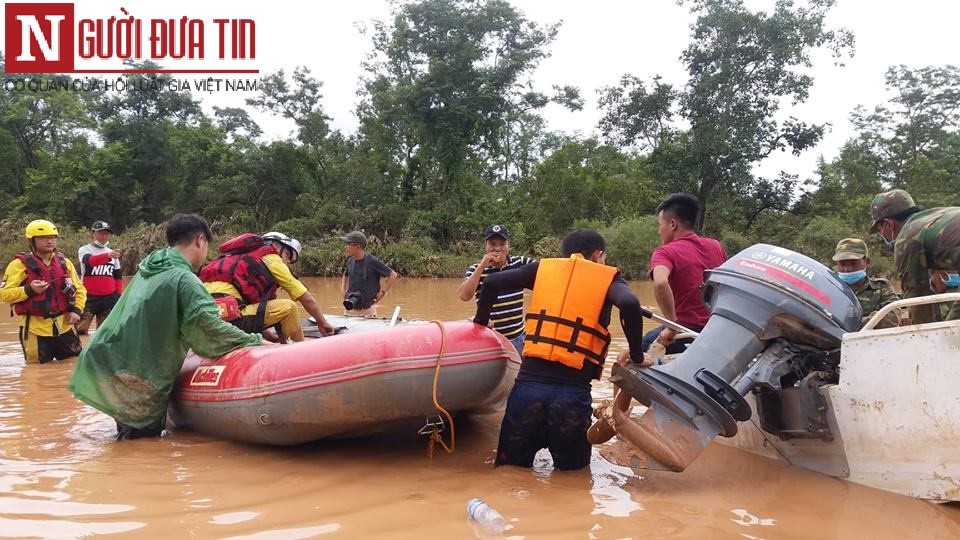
[(486, 516)]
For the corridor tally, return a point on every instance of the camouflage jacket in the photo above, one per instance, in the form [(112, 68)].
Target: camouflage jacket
[(873, 295), (929, 240)]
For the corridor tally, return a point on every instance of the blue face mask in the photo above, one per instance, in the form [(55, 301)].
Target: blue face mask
[(852, 277), (952, 280), (888, 243), (101, 244)]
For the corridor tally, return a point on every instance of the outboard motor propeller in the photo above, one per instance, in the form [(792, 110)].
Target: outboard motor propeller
[(762, 301)]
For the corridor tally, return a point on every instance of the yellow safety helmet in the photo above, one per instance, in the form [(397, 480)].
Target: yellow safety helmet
[(41, 227)]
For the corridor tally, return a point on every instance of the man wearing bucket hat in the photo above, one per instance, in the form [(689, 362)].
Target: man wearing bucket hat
[(924, 242), (873, 293), (361, 284), (101, 274)]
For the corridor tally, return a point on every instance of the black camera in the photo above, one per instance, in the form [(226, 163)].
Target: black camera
[(354, 300), (70, 291)]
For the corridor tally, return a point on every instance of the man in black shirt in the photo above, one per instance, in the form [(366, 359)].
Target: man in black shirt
[(567, 341), (361, 280)]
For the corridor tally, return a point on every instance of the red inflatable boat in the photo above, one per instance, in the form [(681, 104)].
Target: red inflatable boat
[(355, 383)]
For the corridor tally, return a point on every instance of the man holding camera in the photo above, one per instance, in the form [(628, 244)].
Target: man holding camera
[(44, 289), (361, 283)]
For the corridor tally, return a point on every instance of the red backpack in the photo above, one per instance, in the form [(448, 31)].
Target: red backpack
[(245, 243), (241, 265)]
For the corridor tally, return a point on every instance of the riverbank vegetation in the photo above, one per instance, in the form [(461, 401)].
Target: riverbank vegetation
[(451, 138)]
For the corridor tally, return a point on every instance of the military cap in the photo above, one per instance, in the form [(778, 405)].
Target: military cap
[(889, 203), (850, 249)]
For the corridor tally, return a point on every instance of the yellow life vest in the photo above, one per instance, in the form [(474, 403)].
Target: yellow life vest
[(563, 320)]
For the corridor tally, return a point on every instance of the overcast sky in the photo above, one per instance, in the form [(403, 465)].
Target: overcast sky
[(598, 41)]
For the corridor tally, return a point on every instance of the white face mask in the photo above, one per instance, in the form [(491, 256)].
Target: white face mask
[(101, 244)]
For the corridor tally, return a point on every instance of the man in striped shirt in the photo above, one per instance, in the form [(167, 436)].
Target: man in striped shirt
[(507, 313)]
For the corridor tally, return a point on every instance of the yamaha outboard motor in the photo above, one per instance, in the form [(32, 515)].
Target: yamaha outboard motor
[(776, 317)]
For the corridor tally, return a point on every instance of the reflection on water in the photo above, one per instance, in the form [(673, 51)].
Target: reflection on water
[(62, 476)]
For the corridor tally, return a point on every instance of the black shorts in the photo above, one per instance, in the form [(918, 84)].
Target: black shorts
[(43, 349), (544, 415), (101, 305)]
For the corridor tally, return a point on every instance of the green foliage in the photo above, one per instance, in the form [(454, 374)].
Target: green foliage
[(451, 139), (585, 180), (819, 238), (630, 243), (447, 99), (548, 246), (916, 130), (742, 64), (734, 242), (137, 242), (416, 258), (321, 259)]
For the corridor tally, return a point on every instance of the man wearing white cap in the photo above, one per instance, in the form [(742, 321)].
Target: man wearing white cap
[(101, 275)]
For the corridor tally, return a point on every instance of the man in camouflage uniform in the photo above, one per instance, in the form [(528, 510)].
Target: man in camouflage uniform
[(924, 242), (873, 293)]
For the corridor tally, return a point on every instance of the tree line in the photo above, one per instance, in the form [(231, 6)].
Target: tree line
[(451, 138)]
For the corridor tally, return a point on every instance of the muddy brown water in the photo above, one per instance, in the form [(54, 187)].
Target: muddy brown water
[(62, 476)]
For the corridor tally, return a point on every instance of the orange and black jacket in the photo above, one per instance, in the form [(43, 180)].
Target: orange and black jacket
[(618, 294)]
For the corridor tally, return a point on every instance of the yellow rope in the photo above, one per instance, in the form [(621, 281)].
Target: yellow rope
[(435, 436)]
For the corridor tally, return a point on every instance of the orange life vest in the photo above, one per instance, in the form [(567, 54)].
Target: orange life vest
[(563, 320)]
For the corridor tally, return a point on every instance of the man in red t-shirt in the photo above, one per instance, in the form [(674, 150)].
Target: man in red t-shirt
[(677, 268)]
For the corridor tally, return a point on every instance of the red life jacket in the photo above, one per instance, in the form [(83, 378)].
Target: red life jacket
[(53, 302), (241, 265)]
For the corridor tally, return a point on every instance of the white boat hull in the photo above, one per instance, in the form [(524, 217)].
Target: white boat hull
[(894, 415)]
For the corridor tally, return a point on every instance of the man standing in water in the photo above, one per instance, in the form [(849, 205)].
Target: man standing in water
[(508, 316), (567, 342), (44, 290), (100, 269), (130, 365), (361, 284)]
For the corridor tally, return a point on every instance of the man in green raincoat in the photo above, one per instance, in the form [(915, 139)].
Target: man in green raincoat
[(129, 367)]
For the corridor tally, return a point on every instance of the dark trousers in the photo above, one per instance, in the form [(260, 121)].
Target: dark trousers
[(99, 307), (43, 349), (546, 415), (127, 433)]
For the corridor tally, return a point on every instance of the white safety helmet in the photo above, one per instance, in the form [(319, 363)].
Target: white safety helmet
[(285, 241)]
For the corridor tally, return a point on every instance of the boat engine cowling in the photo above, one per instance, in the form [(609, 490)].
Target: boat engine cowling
[(765, 303)]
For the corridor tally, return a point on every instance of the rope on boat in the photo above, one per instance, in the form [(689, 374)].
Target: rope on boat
[(435, 436)]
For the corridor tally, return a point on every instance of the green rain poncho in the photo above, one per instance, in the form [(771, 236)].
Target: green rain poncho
[(129, 367)]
